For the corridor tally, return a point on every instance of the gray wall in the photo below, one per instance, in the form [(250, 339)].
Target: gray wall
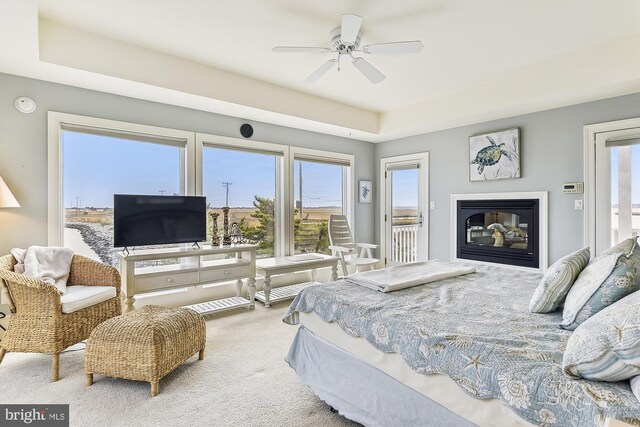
[(551, 153), (23, 146)]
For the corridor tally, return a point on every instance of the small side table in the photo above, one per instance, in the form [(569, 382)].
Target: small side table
[(283, 265)]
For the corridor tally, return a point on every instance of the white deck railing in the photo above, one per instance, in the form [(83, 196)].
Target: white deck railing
[(405, 243)]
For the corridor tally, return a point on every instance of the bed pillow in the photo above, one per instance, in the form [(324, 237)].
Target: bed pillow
[(606, 347), (557, 280), (611, 276)]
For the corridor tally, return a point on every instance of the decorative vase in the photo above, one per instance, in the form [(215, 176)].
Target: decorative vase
[(215, 233), (226, 237)]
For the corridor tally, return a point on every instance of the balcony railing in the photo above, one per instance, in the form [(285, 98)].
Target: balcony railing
[(405, 243)]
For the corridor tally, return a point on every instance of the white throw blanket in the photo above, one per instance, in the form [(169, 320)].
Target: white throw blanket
[(635, 386), (407, 275), (49, 264)]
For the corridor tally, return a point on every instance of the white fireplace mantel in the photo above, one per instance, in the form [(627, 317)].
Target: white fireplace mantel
[(543, 228)]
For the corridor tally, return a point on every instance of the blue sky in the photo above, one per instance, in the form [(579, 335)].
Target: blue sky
[(405, 190), (96, 167), (250, 174)]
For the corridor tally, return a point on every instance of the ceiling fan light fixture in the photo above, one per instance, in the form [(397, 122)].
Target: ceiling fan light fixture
[(345, 40)]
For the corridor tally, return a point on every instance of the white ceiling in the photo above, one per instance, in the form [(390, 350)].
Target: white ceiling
[(472, 49)]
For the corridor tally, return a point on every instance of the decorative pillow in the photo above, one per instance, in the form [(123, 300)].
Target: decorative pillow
[(625, 247), (557, 280), (606, 347), (611, 276)]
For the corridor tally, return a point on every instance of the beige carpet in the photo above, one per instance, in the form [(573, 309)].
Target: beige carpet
[(243, 380)]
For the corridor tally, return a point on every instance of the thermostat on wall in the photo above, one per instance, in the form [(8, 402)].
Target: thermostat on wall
[(573, 187)]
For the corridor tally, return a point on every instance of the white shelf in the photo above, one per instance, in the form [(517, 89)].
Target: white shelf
[(239, 263), (224, 263), (220, 305), (158, 270), (179, 252), (284, 292)]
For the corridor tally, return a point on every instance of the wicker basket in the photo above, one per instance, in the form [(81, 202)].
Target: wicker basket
[(145, 345)]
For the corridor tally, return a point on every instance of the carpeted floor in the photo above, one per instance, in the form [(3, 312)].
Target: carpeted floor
[(243, 380)]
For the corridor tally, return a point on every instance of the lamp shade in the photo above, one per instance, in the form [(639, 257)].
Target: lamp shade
[(6, 197)]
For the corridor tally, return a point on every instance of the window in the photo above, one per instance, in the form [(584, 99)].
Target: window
[(246, 182), (612, 182), (94, 168), (281, 197), (625, 190), (320, 190)]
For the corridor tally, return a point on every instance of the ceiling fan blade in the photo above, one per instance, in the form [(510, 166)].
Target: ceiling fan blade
[(290, 49), (321, 71), (368, 70), (414, 46), (350, 28)]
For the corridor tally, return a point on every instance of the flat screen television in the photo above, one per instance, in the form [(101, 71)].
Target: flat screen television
[(140, 220)]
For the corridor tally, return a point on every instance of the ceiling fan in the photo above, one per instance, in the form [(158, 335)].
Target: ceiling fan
[(345, 40)]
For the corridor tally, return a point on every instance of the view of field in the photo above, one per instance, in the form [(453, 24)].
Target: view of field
[(405, 215), (104, 216), (310, 214), (95, 226)]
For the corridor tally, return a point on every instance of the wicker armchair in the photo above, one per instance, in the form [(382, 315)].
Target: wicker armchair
[(37, 323)]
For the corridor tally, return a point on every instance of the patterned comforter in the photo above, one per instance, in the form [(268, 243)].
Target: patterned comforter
[(477, 330)]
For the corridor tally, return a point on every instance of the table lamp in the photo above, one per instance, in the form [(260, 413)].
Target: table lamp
[(7, 200)]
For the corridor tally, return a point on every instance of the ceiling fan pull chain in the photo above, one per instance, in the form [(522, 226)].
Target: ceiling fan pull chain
[(338, 62)]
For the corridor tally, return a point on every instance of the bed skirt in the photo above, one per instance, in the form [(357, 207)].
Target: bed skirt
[(360, 392)]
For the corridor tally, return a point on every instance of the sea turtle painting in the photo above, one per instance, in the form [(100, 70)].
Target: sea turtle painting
[(495, 155), (489, 155)]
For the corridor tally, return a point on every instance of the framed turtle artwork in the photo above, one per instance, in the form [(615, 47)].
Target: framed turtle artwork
[(494, 156)]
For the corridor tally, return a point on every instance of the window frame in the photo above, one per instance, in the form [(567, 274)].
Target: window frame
[(57, 122), (191, 162), (281, 216), (348, 183)]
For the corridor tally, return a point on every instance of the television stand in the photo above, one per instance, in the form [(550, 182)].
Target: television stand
[(161, 272)]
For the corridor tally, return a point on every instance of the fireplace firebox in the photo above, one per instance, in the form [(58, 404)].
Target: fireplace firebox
[(499, 231)]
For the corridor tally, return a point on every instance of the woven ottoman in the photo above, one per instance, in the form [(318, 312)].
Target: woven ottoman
[(145, 345)]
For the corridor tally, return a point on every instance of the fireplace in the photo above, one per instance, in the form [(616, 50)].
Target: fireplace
[(504, 231)]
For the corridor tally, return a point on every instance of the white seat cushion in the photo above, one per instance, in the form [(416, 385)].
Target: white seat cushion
[(78, 297)]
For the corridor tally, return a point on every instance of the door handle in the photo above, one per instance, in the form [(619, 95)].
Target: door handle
[(420, 220)]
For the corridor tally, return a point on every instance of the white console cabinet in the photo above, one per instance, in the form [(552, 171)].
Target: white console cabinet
[(157, 270)]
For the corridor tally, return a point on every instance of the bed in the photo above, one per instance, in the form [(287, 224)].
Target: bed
[(459, 351)]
